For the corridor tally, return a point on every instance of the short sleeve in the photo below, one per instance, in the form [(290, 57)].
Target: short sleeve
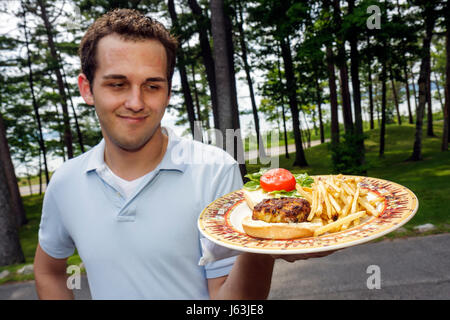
[(53, 236), (222, 266), (231, 181)]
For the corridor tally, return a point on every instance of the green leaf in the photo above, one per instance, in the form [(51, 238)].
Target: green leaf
[(257, 175), (252, 185), (304, 180), (284, 193)]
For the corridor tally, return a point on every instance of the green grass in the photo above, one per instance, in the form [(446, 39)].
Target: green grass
[(428, 179), (28, 235)]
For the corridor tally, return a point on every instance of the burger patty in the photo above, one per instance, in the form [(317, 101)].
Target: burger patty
[(284, 209)]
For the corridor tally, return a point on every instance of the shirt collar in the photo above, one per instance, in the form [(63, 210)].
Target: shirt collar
[(96, 160)]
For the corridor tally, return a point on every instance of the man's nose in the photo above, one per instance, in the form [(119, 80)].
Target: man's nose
[(134, 101)]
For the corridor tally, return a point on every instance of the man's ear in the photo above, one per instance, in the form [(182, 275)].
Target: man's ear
[(85, 89)]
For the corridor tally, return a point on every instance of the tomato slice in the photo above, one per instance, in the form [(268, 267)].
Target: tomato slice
[(277, 179)]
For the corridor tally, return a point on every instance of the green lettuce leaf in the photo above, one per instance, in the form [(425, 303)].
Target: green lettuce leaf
[(284, 193), (304, 180)]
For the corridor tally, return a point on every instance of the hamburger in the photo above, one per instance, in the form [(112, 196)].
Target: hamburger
[(278, 210)]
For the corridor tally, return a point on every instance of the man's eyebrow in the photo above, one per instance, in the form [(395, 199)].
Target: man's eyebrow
[(120, 76), (156, 79), (114, 76)]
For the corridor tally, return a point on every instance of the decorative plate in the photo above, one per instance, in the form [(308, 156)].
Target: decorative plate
[(220, 222)]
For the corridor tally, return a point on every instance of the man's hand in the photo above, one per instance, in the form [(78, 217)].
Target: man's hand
[(304, 256)]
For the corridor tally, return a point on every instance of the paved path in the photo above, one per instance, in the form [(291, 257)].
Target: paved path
[(411, 268), (25, 190)]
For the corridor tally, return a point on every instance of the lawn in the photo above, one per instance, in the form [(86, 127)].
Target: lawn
[(428, 179)]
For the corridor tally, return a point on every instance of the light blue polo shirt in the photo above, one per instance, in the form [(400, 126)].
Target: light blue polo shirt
[(146, 246)]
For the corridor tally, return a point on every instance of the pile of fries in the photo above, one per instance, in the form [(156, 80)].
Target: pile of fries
[(338, 202)]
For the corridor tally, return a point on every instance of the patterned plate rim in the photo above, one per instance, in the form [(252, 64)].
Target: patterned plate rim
[(401, 204)]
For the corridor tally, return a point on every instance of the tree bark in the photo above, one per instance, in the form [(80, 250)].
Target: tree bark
[(333, 96), (207, 57), (319, 107), (11, 179), (300, 159), (34, 101), (430, 131), (10, 249), (356, 86), (383, 104), (394, 92), (414, 88), (226, 93), (446, 129), (75, 117), (354, 71), (189, 102), (261, 149), (343, 71), (408, 95), (59, 79), (369, 76), (424, 67), (283, 113)]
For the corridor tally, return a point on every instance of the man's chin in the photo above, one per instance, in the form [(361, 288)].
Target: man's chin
[(131, 146)]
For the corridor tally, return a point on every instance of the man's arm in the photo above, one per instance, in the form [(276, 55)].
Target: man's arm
[(249, 279), (51, 277)]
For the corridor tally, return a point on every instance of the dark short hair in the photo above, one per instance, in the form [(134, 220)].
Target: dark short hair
[(131, 25)]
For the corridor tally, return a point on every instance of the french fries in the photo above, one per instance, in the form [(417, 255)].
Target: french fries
[(339, 222), (338, 202)]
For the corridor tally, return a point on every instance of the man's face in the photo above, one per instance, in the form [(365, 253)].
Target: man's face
[(130, 90)]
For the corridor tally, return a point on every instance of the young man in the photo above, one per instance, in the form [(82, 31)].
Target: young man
[(130, 204)]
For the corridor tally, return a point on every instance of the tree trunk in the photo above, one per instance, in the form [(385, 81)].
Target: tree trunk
[(446, 129), (282, 108), (34, 101), (262, 153), (343, 72), (197, 101), (394, 92), (300, 159), (356, 86), (207, 57), (354, 70), (369, 76), (226, 94), (59, 79), (383, 107), (319, 107), (75, 117), (11, 179), (424, 68), (333, 96), (414, 88), (408, 95), (286, 143), (430, 132), (189, 102), (10, 249), (438, 90)]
